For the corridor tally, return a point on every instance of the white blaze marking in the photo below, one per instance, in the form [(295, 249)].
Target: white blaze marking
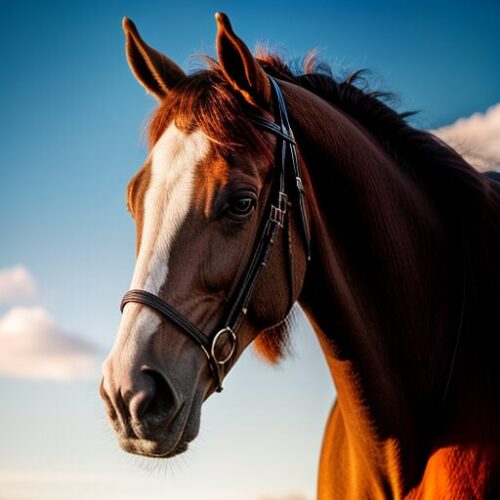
[(166, 204)]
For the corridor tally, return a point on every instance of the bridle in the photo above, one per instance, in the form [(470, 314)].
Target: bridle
[(286, 165)]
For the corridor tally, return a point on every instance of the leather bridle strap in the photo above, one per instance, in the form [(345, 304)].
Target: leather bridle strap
[(151, 300), (284, 131), (274, 219), (208, 345)]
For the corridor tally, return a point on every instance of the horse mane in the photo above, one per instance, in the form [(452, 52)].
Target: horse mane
[(425, 157), (205, 100)]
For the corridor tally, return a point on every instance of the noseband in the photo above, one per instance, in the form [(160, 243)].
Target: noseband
[(286, 166)]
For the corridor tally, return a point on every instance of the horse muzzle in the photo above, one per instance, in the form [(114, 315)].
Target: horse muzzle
[(147, 415)]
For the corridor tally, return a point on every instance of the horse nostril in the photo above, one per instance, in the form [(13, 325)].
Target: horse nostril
[(154, 401), (163, 401), (139, 402)]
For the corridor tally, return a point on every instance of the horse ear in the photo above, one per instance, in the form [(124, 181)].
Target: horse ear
[(155, 72), (239, 66)]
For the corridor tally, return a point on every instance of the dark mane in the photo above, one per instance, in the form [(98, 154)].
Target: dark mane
[(205, 100), (426, 158)]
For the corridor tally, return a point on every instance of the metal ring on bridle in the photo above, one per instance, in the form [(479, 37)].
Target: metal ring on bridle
[(232, 337)]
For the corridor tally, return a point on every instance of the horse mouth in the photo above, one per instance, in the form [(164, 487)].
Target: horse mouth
[(165, 441), (153, 449)]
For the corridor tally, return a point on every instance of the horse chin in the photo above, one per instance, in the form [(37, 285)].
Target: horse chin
[(152, 449), (165, 442)]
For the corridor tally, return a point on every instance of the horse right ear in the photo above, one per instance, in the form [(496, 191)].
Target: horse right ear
[(155, 72), (239, 66)]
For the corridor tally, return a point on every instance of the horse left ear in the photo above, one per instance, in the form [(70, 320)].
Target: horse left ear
[(239, 66), (154, 71)]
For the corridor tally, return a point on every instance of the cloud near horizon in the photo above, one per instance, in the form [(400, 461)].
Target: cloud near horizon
[(476, 138), (34, 346), (16, 284)]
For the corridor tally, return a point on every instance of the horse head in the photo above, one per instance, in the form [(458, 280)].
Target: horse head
[(201, 202)]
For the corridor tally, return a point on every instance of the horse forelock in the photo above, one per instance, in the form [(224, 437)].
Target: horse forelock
[(204, 100)]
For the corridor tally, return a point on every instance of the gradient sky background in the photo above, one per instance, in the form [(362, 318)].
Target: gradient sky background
[(70, 138)]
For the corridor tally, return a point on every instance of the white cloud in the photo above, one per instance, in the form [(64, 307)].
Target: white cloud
[(33, 345), (476, 138), (16, 283)]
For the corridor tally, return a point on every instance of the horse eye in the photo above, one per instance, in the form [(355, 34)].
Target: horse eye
[(240, 208)]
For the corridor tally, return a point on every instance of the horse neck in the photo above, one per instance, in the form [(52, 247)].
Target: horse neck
[(384, 282)]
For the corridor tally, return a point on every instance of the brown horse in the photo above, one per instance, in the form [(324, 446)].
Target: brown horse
[(401, 287)]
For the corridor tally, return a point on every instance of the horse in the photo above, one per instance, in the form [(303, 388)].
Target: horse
[(266, 187)]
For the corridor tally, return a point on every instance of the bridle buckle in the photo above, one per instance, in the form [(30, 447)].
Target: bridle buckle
[(278, 213)]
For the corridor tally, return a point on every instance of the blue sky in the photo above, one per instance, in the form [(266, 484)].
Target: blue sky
[(70, 139)]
